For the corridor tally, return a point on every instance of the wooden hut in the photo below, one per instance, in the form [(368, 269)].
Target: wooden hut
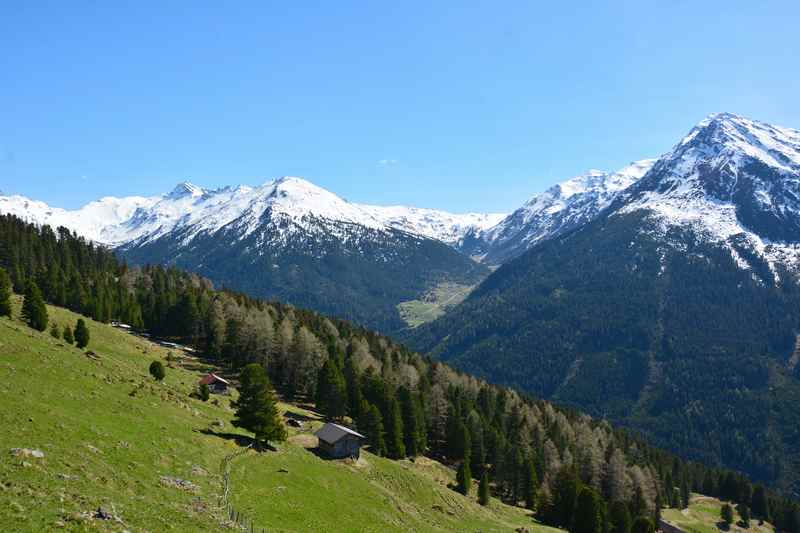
[(338, 441), (215, 383)]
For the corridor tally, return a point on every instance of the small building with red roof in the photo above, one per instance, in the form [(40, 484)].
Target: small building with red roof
[(215, 383)]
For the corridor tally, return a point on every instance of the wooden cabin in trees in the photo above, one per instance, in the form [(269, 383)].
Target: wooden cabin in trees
[(338, 441)]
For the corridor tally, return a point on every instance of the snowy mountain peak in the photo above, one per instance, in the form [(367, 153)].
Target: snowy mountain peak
[(294, 203), (725, 138), (733, 181), (184, 189), (558, 209)]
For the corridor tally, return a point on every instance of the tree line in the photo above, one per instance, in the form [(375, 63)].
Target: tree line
[(575, 472)]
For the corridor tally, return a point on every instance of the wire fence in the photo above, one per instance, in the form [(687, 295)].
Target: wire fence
[(234, 517)]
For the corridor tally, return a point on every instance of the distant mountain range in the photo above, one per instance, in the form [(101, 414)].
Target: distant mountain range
[(675, 310), (664, 295)]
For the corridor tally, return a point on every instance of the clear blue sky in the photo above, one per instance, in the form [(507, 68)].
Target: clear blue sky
[(458, 105)]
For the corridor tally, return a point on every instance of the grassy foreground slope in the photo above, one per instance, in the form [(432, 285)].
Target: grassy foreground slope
[(114, 438), (703, 516)]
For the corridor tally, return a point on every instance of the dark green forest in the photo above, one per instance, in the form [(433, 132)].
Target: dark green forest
[(672, 340), (571, 469)]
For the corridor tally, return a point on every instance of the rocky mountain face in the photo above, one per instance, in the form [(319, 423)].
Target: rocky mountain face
[(674, 311)]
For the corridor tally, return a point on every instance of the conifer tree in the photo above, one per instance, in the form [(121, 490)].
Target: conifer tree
[(588, 513), (395, 446), (34, 312), (413, 432), (483, 489), (157, 370), (464, 477), (642, 525), (744, 513), (68, 338), (370, 423), (565, 496), (5, 293), (726, 513), (204, 393), (81, 334), (331, 391), (620, 518), (761, 508), (256, 408), (530, 484), (54, 331)]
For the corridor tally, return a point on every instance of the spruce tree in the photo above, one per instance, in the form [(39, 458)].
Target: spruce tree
[(331, 391), (54, 331), (34, 312), (157, 370), (620, 518), (204, 393), (530, 484), (395, 447), (642, 525), (483, 489), (5, 294), (68, 338), (464, 477), (760, 507), (370, 423), (726, 513), (81, 334), (413, 431), (566, 488), (588, 513), (256, 408), (744, 513)]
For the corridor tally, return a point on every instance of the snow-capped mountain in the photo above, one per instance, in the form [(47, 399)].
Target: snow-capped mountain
[(96, 220), (117, 221), (731, 181), (677, 302), (563, 207), (447, 227), (287, 239)]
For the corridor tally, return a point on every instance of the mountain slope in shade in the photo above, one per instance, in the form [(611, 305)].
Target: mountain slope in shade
[(559, 209), (675, 312)]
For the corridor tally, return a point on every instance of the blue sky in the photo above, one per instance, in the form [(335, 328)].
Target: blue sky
[(457, 105)]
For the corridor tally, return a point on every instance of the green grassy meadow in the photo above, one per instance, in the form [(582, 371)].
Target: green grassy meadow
[(703, 516), (114, 438)]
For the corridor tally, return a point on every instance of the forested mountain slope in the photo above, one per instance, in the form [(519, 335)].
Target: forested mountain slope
[(675, 313), (534, 453)]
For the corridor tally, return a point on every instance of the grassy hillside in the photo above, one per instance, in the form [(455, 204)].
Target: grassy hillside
[(703, 516), (114, 438)]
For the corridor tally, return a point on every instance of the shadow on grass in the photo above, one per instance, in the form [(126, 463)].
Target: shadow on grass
[(298, 416), (240, 440)]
